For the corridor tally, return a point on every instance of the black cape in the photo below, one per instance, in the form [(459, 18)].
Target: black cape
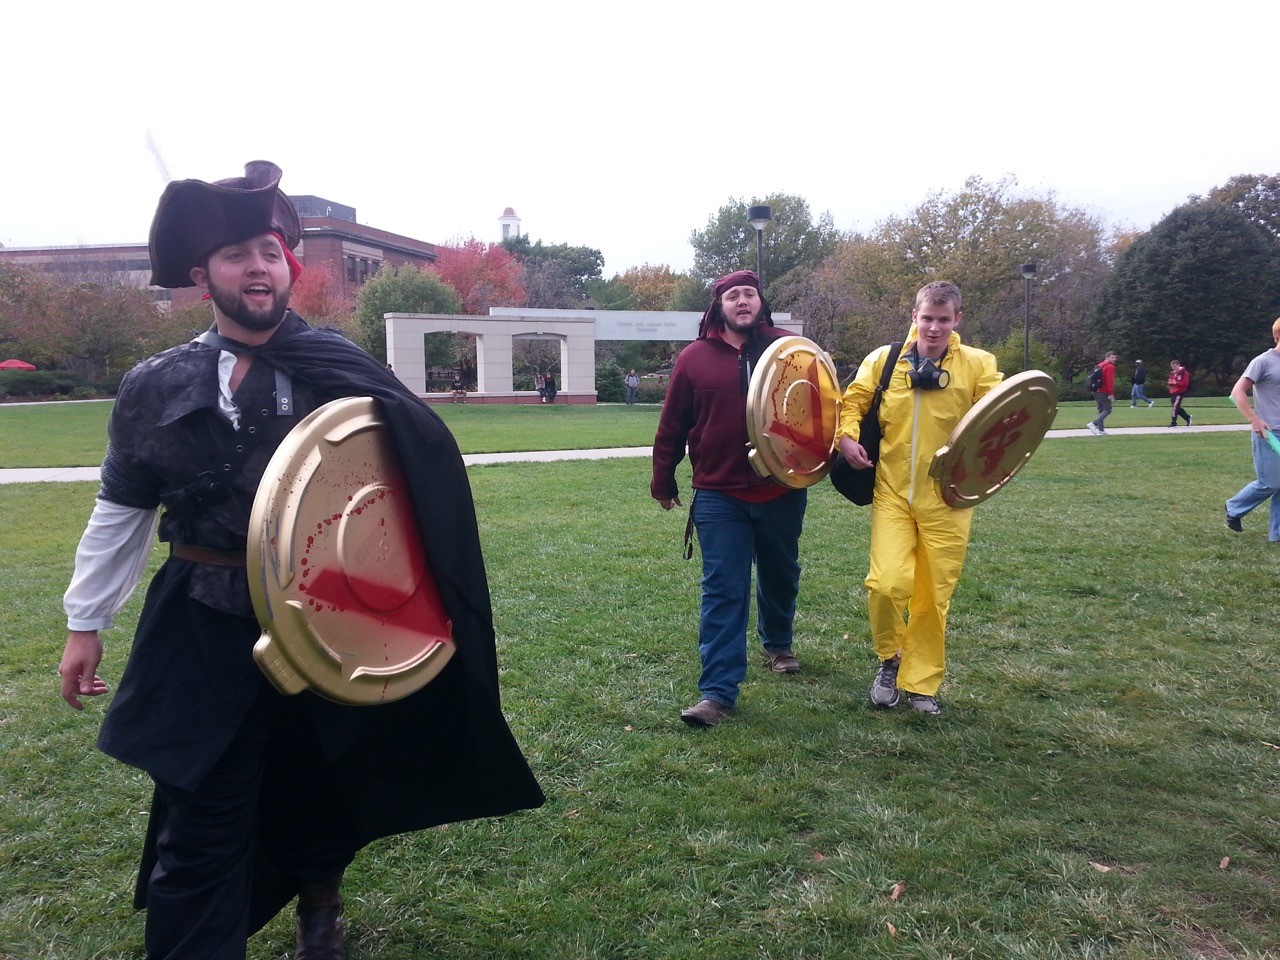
[(445, 753)]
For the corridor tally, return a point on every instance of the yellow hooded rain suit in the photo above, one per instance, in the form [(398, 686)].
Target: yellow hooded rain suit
[(918, 542)]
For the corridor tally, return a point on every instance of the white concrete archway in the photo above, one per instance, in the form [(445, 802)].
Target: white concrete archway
[(576, 330)]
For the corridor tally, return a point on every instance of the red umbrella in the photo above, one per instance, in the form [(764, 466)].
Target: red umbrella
[(16, 365)]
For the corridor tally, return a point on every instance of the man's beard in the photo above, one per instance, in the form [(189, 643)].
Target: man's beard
[(233, 307), (740, 324)]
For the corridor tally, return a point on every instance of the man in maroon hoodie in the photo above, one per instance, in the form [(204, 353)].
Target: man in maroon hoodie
[(740, 517), (1106, 395)]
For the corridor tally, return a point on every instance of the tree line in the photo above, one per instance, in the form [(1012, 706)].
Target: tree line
[(1202, 285)]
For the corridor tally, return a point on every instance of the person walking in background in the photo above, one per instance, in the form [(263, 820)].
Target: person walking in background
[(1104, 393), (1179, 383), (741, 518), (1138, 391), (632, 381), (918, 541), (1262, 377)]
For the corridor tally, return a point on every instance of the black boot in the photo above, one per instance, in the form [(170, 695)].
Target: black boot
[(321, 934)]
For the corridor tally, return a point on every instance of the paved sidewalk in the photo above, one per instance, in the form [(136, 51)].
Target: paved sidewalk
[(48, 474), (1166, 430), (67, 474)]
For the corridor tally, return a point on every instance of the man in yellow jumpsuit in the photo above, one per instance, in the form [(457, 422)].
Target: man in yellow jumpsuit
[(918, 542)]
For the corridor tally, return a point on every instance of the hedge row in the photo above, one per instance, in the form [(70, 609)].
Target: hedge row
[(52, 383)]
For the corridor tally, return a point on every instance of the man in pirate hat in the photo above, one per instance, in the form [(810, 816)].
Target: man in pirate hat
[(259, 796), (918, 541), (740, 517)]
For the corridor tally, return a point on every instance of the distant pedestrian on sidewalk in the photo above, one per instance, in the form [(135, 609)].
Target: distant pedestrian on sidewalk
[(1104, 393), (1262, 377), (632, 381), (1138, 391), (1179, 383)]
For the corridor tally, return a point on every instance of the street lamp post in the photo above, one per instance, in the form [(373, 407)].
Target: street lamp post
[(758, 217), (1028, 271)]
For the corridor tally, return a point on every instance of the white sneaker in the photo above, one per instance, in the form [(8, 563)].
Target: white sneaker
[(1094, 428), (884, 689), (924, 704)]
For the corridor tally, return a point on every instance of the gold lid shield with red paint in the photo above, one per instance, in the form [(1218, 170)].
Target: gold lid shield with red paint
[(793, 408), (995, 439), (339, 580)]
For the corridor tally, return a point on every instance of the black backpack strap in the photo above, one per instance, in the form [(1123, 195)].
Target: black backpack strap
[(895, 351), (689, 532)]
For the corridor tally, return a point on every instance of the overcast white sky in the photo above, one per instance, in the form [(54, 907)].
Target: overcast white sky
[(625, 126)]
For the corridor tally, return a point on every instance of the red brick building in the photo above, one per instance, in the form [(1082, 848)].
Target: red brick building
[(330, 233)]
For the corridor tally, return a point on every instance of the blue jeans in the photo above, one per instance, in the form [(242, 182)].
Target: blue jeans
[(1266, 464), (1104, 408), (733, 534), (1138, 392)]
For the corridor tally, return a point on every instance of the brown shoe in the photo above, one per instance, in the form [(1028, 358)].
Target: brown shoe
[(321, 933), (783, 662), (705, 713)]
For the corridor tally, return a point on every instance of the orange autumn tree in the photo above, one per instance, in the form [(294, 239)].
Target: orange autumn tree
[(652, 287), (322, 298), (483, 275)]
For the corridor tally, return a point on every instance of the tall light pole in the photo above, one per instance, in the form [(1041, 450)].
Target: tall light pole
[(758, 217), (1028, 271)]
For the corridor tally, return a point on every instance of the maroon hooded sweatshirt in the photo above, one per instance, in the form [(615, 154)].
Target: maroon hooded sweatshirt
[(706, 407)]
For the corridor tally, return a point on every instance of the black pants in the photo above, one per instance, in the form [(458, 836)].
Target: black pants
[(213, 842), (1176, 400)]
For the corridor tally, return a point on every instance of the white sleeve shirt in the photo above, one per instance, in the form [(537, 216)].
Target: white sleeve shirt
[(117, 541)]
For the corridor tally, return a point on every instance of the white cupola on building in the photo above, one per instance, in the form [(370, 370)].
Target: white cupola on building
[(510, 224)]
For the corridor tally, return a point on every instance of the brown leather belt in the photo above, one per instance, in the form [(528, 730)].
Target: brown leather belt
[(198, 554)]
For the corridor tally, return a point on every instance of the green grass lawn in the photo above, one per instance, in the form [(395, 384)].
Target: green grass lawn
[(1204, 411), (1104, 782), (74, 434)]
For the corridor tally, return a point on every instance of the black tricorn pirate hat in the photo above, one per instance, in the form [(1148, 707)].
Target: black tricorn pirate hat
[(195, 218)]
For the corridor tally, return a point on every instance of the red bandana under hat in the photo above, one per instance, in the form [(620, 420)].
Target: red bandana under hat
[(739, 278)]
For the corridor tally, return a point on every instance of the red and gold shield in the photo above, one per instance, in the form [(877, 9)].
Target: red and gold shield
[(995, 439), (793, 407), (340, 583)]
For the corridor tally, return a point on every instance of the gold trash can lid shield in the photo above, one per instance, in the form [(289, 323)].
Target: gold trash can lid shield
[(995, 439), (337, 573), (793, 408)]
